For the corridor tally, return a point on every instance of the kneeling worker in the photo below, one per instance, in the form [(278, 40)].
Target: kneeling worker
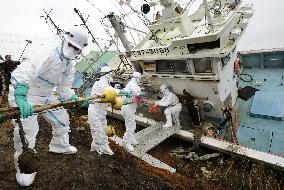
[(173, 107)]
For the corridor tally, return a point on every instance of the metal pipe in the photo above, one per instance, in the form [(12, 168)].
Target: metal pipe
[(28, 42)]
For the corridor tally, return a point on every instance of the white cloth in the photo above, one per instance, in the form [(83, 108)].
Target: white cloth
[(42, 74), (171, 101), (97, 118), (128, 112)]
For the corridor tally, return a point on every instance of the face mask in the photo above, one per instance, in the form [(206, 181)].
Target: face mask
[(69, 52)]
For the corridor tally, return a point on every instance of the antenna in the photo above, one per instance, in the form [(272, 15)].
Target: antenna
[(47, 19), (84, 23)]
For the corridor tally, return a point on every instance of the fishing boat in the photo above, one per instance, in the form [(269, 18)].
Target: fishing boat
[(239, 93), (234, 97)]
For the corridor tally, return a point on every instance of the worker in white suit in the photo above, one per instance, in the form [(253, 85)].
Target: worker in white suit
[(129, 110), (173, 107), (32, 84), (97, 114)]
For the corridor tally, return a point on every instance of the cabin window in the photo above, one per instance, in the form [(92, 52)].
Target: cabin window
[(171, 66), (179, 66), (202, 65), (164, 66), (192, 48), (148, 66)]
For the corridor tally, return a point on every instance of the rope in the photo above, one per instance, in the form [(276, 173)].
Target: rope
[(250, 80)]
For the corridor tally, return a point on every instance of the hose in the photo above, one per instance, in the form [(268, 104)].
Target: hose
[(250, 80)]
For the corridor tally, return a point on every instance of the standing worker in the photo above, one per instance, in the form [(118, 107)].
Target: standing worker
[(97, 114), (173, 107), (129, 110), (32, 84), (8, 66)]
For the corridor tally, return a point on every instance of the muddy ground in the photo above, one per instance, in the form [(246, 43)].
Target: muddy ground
[(89, 170)]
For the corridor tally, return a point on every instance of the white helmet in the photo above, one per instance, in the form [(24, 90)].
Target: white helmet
[(77, 37), (105, 69), (136, 76), (106, 73)]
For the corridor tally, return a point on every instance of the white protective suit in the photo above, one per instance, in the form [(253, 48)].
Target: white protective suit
[(42, 74), (97, 114), (128, 112), (173, 107)]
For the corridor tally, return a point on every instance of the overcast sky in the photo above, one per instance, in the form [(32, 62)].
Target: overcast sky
[(20, 20)]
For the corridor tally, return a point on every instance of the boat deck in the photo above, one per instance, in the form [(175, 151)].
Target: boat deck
[(263, 131)]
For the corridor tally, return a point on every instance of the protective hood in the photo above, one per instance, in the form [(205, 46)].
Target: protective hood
[(69, 52)]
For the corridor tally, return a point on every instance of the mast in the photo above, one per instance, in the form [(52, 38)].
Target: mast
[(121, 34), (208, 15)]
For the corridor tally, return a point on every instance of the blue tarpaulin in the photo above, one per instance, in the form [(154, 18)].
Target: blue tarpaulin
[(269, 105)]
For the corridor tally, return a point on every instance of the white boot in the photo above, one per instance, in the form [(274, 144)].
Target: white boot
[(176, 119), (56, 148), (106, 150), (60, 142), (25, 179), (169, 122), (22, 178), (68, 150), (128, 139), (101, 149)]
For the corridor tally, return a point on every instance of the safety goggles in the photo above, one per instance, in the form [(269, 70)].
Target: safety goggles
[(74, 47)]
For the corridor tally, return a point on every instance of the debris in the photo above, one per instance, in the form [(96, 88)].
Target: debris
[(193, 156), (206, 172), (110, 131), (208, 156)]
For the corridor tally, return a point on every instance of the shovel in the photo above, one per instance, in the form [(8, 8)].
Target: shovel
[(28, 160)]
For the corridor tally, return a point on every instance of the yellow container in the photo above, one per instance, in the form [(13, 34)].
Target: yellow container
[(118, 103), (109, 95)]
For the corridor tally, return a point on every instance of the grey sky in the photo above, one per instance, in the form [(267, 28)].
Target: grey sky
[(22, 17), (266, 27)]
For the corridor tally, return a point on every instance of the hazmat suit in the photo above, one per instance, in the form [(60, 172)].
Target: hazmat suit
[(97, 114), (173, 107), (129, 110), (33, 83)]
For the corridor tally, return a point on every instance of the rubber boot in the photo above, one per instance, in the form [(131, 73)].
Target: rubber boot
[(60, 142), (169, 121)]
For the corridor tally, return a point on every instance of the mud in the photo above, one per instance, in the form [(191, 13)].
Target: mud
[(89, 170), (227, 172)]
